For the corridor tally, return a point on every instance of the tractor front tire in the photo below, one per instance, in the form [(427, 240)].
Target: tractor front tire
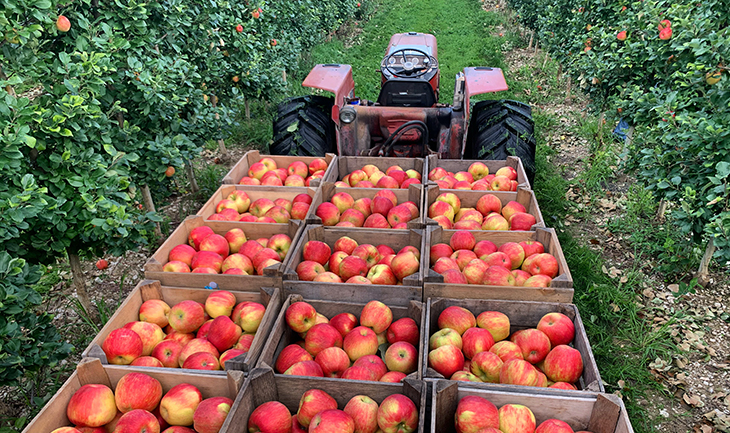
[(303, 127), (499, 129)]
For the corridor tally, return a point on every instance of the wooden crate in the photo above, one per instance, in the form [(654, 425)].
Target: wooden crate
[(396, 239), (270, 192), (595, 412), (456, 165), (281, 335), (270, 297), (263, 386), (469, 199), (414, 193), (522, 315), (348, 164), (561, 289), (90, 370), (272, 275), (282, 161)]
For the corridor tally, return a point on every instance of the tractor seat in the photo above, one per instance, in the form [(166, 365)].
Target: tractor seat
[(407, 93)]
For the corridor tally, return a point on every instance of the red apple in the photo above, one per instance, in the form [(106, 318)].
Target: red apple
[(397, 413), (182, 253), (202, 361), (377, 316), (179, 403), (122, 346), (457, 318), (516, 418), (272, 417), (149, 333), (438, 251), (373, 363), (364, 412), (344, 323), (445, 263), (154, 311), (506, 350), (197, 235), (168, 353), (317, 251), (313, 402), (496, 323), (498, 276), (558, 327), (305, 368), (402, 356), (475, 413), (486, 366), (333, 360), (404, 329), (446, 360), (308, 270), (320, 337), (462, 240), (521, 221), (332, 421), (474, 271), (291, 355), (92, 405), (404, 264), (476, 340), (454, 276), (138, 421), (563, 364)]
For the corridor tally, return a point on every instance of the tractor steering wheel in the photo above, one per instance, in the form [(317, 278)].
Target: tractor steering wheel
[(407, 69)]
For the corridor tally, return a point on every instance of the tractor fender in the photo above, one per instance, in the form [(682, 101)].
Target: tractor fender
[(479, 80), (333, 78)]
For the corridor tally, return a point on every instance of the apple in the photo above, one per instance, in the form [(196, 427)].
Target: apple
[(377, 316), (327, 277), (320, 337), (351, 266), (305, 368), (271, 416), (558, 327), (501, 183), (238, 261), (211, 413), (332, 421), (441, 208), (202, 361), (545, 264), (404, 329), (476, 340), (361, 372), (186, 316), (92, 405), (182, 253), (563, 385), (223, 333), (250, 248), (519, 372), (168, 353), (498, 276), (446, 360), (563, 364), (363, 205), (299, 210), (381, 205), (220, 303), (308, 270), (317, 164), (197, 235), (178, 405), (397, 413), (317, 251), (207, 259), (454, 276), (122, 346), (373, 363), (146, 361), (364, 412), (507, 350), (300, 316), (360, 342), (474, 271), (246, 180), (291, 355), (404, 264), (345, 244), (138, 421), (313, 402), (436, 174), (154, 311), (401, 356), (554, 426), (445, 263), (343, 201), (294, 180), (516, 418), (463, 257), (149, 333), (486, 366), (376, 221), (443, 337), (457, 318), (497, 323), (217, 244), (328, 213), (228, 355), (195, 346), (333, 360), (474, 413), (495, 222)]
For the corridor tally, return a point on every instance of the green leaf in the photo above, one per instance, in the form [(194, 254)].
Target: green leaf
[(723, 169)]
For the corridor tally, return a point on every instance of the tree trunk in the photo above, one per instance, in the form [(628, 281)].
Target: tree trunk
[(79, 283), (529, 44), (191, 177), (601, 118), (567, 93), (560, 72), (150, 206), (221, 143), (702, 274), (627, 142), (544, 63), (536, 43), (247, 108), (662, 210)]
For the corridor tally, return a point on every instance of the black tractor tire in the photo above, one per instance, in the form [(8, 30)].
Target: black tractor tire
[(303, 127), (499, 129)]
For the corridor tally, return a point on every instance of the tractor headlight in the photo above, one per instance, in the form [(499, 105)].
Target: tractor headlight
[(347, 114)]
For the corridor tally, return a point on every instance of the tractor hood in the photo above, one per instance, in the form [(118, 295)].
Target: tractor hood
[(421, 41)]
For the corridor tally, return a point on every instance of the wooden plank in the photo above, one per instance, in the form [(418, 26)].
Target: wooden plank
[(576, 410), (605, 415), (469, 199), (414, 193), (241, 168), (271, 278), (396, 239), (560, 290), (348, 164), (281, 335), (254, 193), (456, 165), (53, 415), (522, 315), (129, 312), (264, 386)]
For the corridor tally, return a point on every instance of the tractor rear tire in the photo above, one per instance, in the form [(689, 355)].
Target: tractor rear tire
[(499, 129), (303, 127)]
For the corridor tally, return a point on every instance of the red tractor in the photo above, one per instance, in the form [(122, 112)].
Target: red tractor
[(406, 120)]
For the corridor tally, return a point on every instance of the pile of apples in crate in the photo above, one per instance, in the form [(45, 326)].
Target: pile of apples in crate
[(476, 349), (318, 413), (477, 414), (238, 207), (187, 335), (347, 348), (477, 177), (382, 211), (488, 215), (232, 253), (266, 172), (138, 405), (371, 176), (465, 261), (358, 264)]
